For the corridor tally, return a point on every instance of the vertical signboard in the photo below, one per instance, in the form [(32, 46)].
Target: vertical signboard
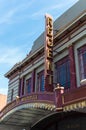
[(48, 53)]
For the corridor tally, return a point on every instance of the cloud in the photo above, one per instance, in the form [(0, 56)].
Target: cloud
[(20, 11), (6, 18), (41, 12), (53, 8), (10, 14), (11, 55)]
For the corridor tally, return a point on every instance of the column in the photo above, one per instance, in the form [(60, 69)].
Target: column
[(58, 97), (33, 81), (21, 86), (72, 67)]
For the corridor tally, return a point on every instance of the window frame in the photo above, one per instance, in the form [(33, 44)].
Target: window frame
[(39, 80), (82, 62), (64, 61), (12, 93), (28, 82)]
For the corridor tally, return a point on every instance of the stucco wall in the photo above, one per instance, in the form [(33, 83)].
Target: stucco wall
[(3, 100)]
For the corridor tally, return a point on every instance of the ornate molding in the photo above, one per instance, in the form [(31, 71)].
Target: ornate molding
[(75, 106)]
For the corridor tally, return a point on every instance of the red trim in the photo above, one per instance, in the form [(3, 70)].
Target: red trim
[(58, 96), (19, 91), (82, 49), (33, 81), (75, 95), (22, 86), (63, 60), (40, 74), (72, 67)]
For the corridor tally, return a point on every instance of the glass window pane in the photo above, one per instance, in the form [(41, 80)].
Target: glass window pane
[(28, 85), (82, 62), (41, 81), (63, 73)]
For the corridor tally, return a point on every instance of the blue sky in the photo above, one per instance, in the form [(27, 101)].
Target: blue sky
[(21, 22)]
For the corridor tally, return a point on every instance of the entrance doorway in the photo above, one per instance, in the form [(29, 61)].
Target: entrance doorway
[(62, 121)]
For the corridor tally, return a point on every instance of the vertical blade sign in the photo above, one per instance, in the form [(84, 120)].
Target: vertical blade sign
[(48, 53)]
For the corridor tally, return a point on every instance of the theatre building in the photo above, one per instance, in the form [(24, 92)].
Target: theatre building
[(47, 89)]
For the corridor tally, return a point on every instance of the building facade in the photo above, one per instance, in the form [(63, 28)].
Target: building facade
[(3, 100), (47, 89)]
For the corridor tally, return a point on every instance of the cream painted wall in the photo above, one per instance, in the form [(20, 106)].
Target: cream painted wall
[(13, 84), (77, 45)]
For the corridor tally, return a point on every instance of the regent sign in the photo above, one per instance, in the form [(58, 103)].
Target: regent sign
[(48, 53)]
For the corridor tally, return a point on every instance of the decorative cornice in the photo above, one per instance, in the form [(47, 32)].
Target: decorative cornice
[(75, 106), (62, 30)]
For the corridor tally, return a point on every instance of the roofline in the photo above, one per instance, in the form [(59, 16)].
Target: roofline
[(42, 47), (23, 61), (70, 24)]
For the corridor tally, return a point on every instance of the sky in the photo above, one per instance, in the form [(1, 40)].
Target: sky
[(21, 22)]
